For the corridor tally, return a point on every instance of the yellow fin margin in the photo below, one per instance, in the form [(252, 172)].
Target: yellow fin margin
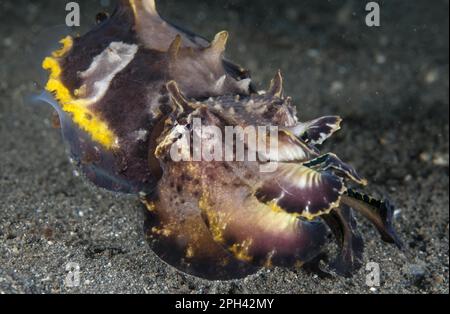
[(67, 43), (81, 114)]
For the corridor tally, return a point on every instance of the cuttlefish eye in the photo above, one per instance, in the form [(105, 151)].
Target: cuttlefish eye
[(101, 17)]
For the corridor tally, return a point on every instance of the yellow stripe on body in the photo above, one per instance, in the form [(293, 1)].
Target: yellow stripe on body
[(67, 43), (81, 114)]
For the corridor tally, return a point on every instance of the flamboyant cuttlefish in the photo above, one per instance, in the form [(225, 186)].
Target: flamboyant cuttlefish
[(128, 94)]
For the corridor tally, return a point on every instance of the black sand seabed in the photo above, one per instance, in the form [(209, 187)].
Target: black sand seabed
[(391, 84)]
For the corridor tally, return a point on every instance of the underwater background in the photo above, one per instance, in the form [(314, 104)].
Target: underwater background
[(389, 83)]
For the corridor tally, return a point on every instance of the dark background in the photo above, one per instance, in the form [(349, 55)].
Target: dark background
[(390, 84)]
